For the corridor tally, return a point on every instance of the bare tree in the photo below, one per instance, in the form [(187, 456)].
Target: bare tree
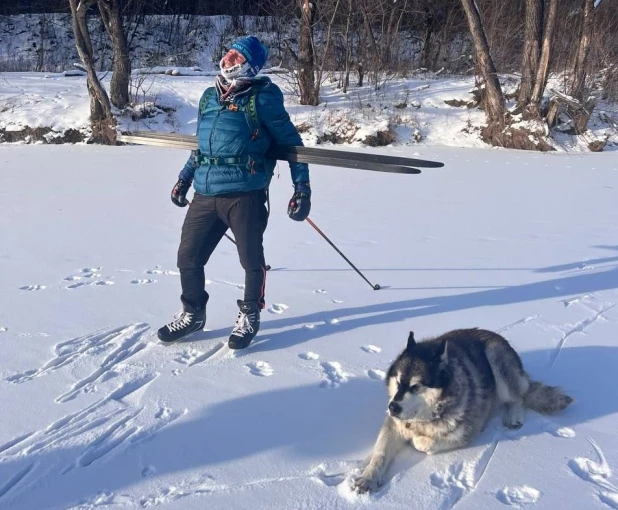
[(494, 99), (533, 32), (306, 56), (101, 118), (583, 48), (542, 72), (121, 76)]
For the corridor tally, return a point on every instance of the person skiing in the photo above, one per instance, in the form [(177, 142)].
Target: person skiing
[(238, 120)]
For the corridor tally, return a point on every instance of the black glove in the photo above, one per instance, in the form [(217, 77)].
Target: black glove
[(179, 193), (300, 203)]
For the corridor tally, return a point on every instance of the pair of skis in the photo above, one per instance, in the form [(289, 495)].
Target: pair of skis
[(312, 155)]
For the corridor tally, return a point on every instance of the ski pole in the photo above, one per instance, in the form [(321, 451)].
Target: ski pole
[(374, 287), (267, 267)]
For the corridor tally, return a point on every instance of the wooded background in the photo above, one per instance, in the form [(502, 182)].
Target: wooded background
[(364, 42)]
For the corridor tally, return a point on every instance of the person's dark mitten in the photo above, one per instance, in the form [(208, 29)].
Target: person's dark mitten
[(300, 203), (179, 193)]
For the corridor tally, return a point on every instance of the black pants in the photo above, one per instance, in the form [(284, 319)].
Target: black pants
[(208, 218)]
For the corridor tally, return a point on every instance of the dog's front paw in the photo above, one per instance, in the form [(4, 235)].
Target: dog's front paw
[(363, 484), (423, 444)]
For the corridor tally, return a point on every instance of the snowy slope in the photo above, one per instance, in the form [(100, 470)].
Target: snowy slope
[(97, 414), (52, 100)]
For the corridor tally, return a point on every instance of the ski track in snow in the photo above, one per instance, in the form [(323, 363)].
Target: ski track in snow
[(122, 343), (16, 479), (579, 327), (599, 474), (462, 478)]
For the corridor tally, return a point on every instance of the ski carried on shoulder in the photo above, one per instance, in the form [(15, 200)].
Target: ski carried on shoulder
[(312, 155)]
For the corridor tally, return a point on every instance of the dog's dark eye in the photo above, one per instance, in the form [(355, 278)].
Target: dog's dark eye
[(415, 388)]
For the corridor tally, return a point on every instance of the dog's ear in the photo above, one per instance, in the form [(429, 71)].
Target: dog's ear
[(411, 341), (444, 357)]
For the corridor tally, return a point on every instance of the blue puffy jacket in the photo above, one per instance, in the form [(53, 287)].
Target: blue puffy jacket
[(232, 145)]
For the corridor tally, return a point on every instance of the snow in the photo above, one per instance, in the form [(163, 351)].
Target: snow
[(53, 100), (97, 414)]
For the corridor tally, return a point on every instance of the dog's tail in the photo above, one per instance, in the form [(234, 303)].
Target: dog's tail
[(546, 399)]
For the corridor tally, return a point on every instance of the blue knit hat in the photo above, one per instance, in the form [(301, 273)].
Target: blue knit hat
[(253, 50)]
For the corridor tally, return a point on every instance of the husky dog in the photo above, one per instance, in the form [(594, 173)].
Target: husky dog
[(443, 391)]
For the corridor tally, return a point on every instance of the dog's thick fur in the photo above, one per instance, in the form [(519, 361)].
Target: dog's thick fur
[(443, 391)]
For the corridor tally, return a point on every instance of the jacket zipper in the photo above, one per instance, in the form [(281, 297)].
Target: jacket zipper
[(212, 132)]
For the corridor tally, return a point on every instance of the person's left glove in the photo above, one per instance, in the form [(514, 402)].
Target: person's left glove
[(179, 193), (300, 203)]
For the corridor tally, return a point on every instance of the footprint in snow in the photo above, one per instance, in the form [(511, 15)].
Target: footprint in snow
[(319, 291), (90, 283), (598, 473), (160, 271), (309, 355), (558, 431), (3, 329), (143, 281), (310, 326), (334, 375), (148, 471), (518, 496), (85, 272), (278, 308), (371, 349), (33, 287), (378, 375), (336, 301), (260, 368)]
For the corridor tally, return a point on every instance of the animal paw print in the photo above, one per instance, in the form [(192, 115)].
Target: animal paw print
[(33, 287), (334, 375), (87, 276), (260, 368), (278, 308), (371, 349), (378, 375), (309, 356), (518, 496), (598, 474)]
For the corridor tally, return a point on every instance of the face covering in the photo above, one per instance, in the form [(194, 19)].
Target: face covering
[(243, 70)]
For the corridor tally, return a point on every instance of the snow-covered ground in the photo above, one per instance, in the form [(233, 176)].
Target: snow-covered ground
[(414, 109), (97, 414)]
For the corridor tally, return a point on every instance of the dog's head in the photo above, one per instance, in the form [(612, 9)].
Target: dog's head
[(417, 381)]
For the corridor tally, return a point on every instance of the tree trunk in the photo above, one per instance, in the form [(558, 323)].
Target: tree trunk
[(542, 72), (533, 33), (119, 85), (494, 100), (581, 58), (427, 33), (306, 57), (101, 117)]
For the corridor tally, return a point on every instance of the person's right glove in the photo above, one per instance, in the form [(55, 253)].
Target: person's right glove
[(300, 203), (179, 193)]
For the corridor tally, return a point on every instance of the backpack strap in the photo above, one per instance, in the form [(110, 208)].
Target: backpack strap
[(205, 100)]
